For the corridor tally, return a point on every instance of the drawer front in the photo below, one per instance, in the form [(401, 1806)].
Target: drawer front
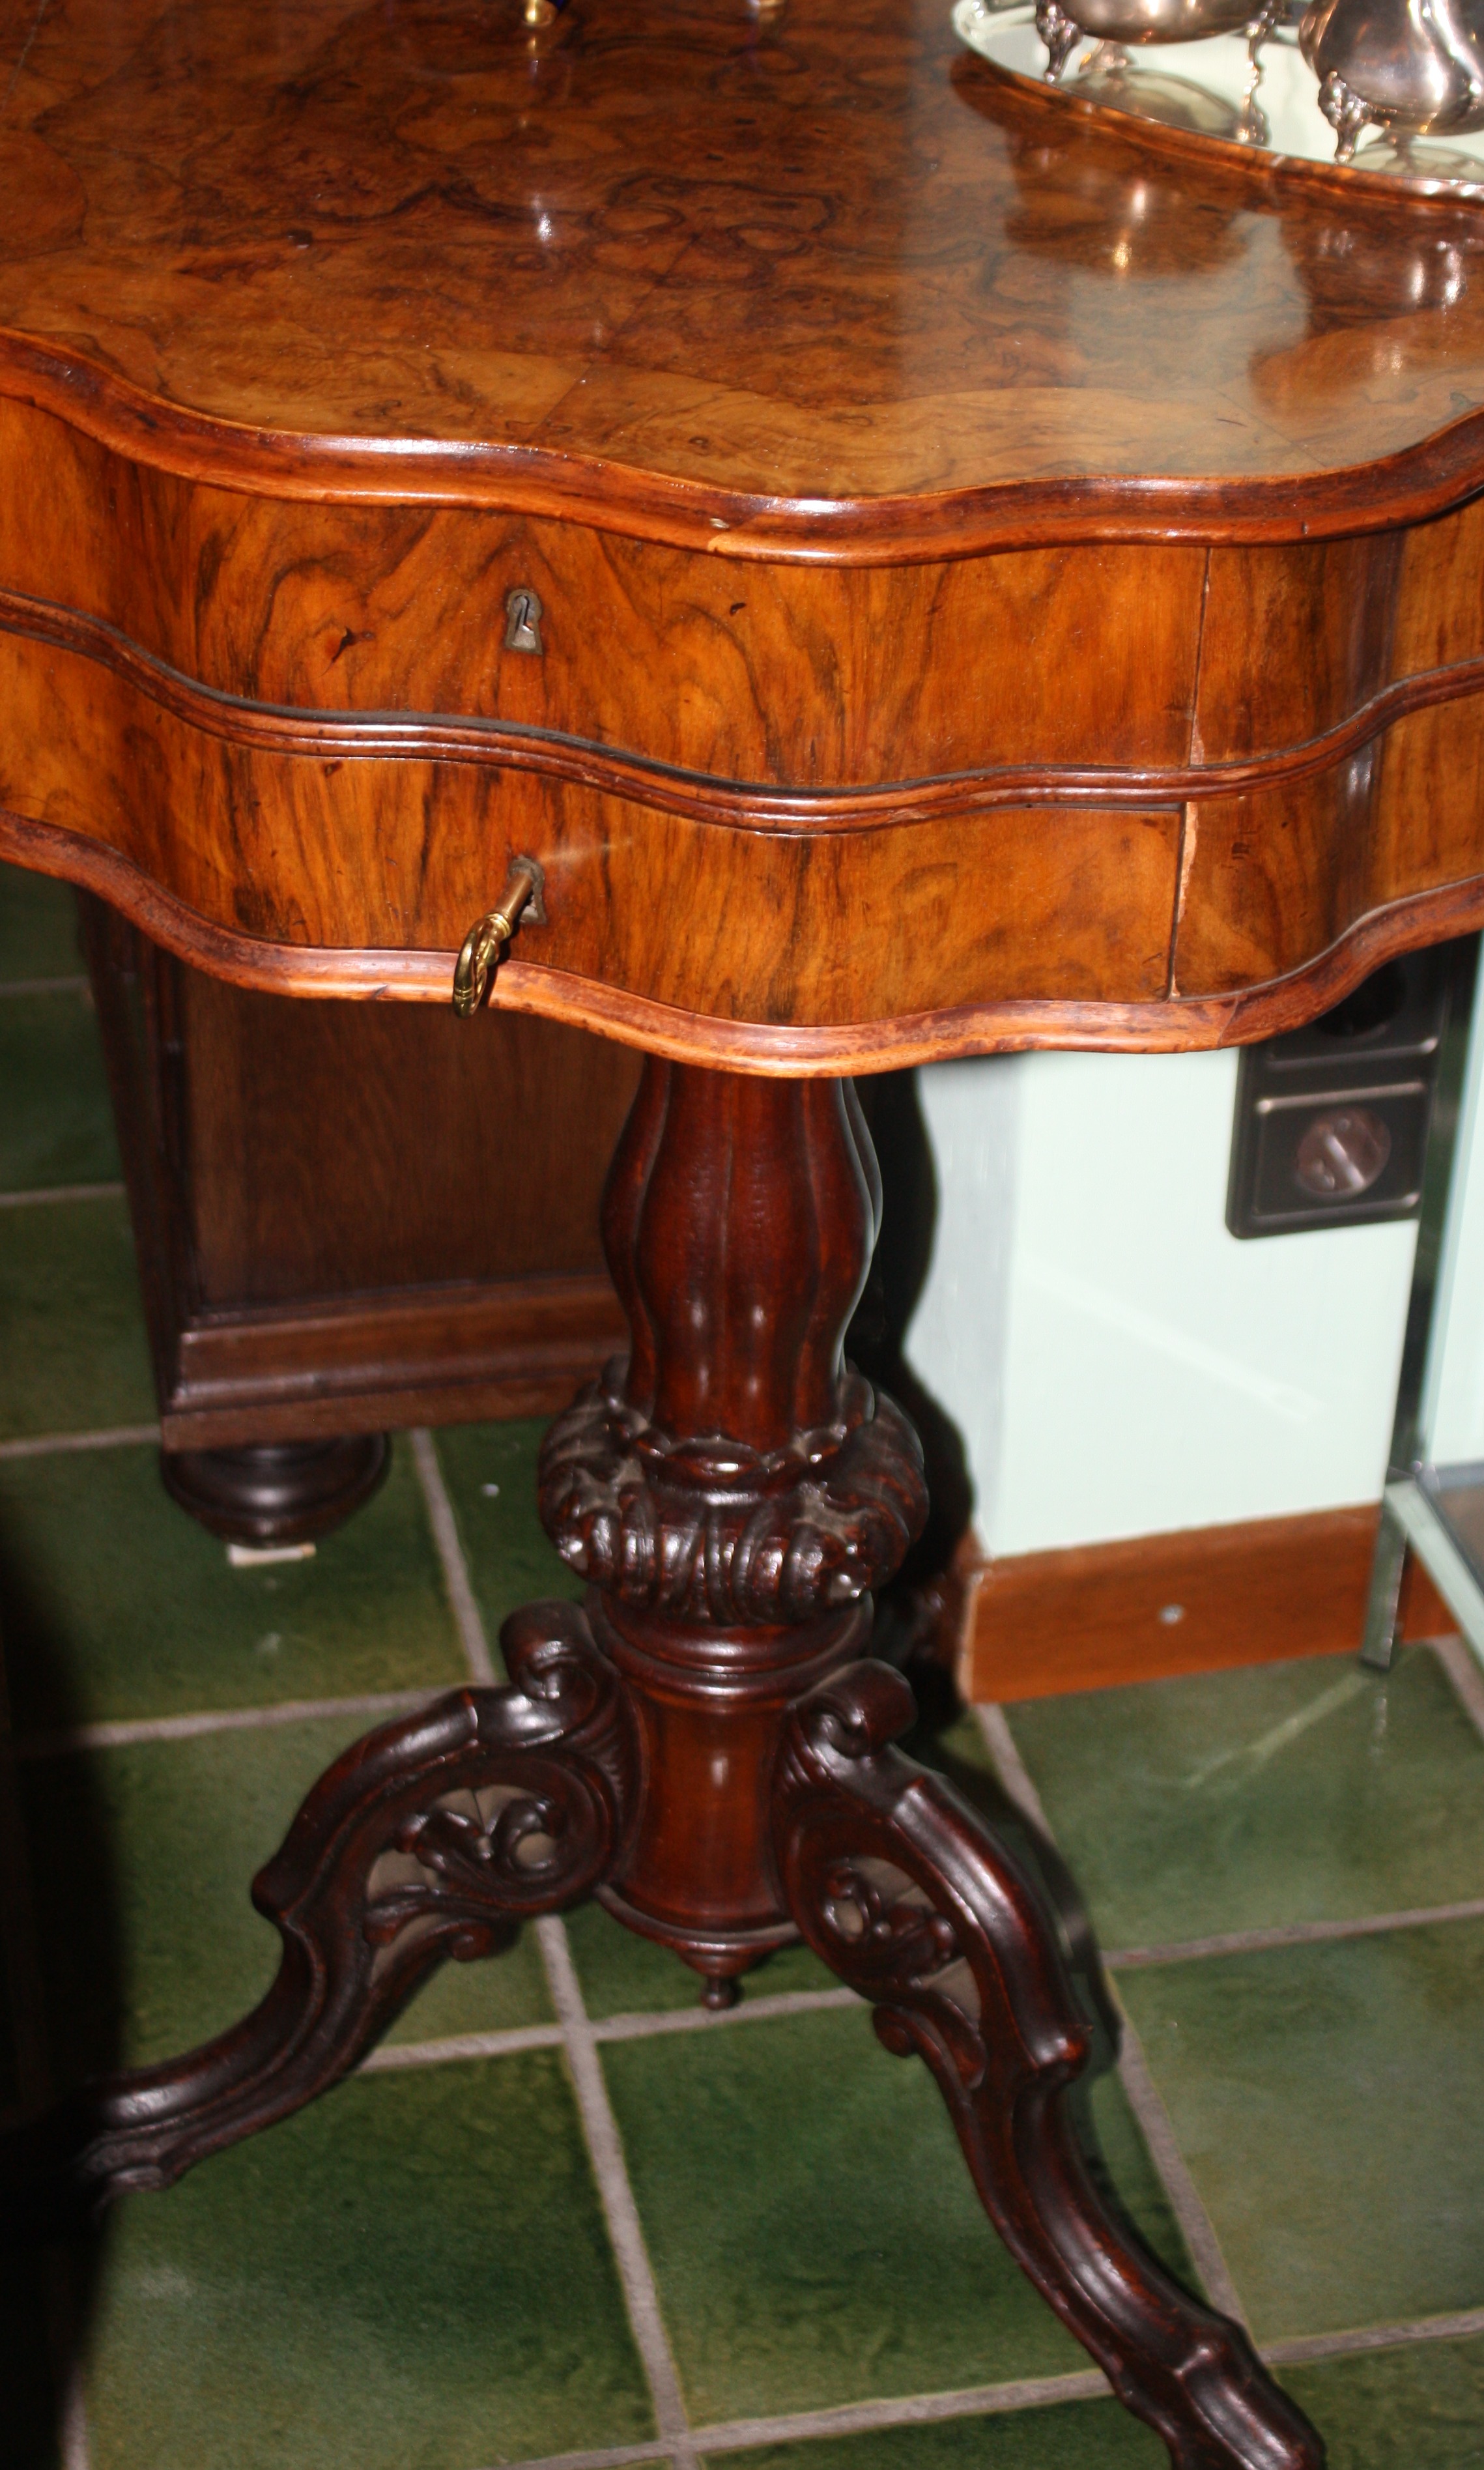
[(400, 852), (730, 668)]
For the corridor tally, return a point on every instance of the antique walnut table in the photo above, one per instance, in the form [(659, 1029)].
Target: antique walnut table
[(848, 566)]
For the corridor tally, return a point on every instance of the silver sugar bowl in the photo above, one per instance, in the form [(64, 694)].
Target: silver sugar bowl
[(1413, 68), (1140, 21)]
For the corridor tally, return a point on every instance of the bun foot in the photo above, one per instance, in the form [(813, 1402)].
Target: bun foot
[(277, 1492)]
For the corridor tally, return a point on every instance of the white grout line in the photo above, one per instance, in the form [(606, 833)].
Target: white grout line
[(46, 1445), (1254, 1942), (43, 986), (1139, 2088), (608, 2028), (44, 1192), (226, 1720), (706, 2019), (1171, 2165), (391, 2055), (1461, 1667), (850, 2418), (599, 2126), (1037, 2393), (1305, 2346), (451, 1554), (915, 2410), (1009, 1767)]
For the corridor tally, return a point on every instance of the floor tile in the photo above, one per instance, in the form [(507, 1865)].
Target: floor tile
[(1327, 2100), (1421, 2408), (1075, 2435), (117, 1605), (411, 2274), (73, 1352), (1289, 1792), (143, 1857), (490, 1470), (812, 2227), (38, 927), (55, 1119)]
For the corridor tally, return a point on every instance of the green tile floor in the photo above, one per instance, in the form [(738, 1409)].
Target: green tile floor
[(776, 2258)]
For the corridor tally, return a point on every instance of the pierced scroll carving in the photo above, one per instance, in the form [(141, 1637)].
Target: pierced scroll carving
[(910, 1898), (432, 1837), (715, 1531)]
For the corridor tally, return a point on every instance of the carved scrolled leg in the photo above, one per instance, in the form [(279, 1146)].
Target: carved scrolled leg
[(907, 1896), (434, 1836)]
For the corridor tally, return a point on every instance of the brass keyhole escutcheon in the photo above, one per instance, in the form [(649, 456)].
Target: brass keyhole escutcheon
[(523, 620), (484, 945)]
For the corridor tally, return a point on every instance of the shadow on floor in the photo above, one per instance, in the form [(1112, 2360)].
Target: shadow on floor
[(58, 1879)]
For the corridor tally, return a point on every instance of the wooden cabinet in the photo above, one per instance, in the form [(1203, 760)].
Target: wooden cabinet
[(350, 1217)]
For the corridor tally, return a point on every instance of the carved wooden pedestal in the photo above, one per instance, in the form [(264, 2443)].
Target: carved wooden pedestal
[(705, 1748)]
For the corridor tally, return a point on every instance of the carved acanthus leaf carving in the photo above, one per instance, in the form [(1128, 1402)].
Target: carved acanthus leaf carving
[(718, 1532)]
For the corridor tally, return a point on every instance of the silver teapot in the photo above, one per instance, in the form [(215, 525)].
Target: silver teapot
[(1413, 68)]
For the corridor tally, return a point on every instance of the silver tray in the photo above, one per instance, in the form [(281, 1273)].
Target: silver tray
[(1204, 92)]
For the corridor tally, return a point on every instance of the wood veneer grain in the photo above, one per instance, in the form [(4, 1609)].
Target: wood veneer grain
[(826, 283), (781, 675), (773, 1048), (813, 427)]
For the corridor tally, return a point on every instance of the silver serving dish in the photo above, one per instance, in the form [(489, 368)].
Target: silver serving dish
[(1413, 68), (1298, 88)]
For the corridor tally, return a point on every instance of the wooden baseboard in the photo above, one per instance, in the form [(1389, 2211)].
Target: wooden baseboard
[(1037, 1624)]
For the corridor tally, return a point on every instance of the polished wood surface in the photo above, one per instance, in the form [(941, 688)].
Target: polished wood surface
[(1260, 1590), (1001, 585), (429, 1253), (741, 266)]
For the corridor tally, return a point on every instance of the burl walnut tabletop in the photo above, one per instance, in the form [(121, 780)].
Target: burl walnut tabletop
[(997, 586), (913, 573)]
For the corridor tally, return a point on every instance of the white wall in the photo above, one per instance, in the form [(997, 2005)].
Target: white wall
[(1119, 1364)]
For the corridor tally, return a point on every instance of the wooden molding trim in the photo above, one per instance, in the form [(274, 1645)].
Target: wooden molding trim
[(446, 1355), (1039, 1625), (788, 1049), (1427, 478), (508, 746)]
